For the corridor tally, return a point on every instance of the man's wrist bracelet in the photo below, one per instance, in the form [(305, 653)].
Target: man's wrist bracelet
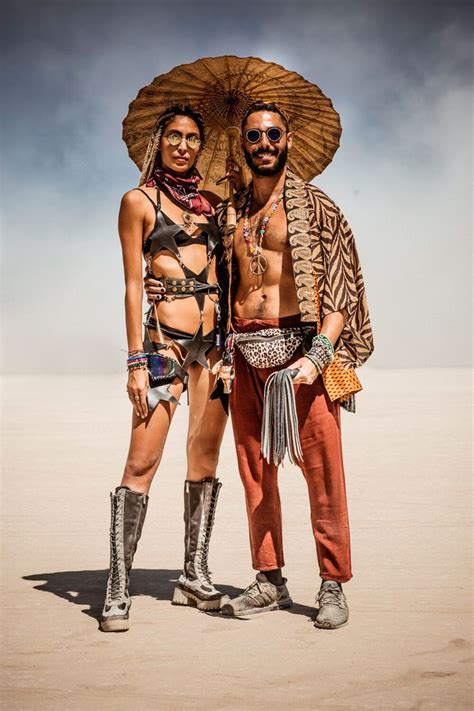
[(321, 352), (322, 339), (315, 362)]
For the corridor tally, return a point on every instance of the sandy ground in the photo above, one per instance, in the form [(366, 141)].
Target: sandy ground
[(408, 643)]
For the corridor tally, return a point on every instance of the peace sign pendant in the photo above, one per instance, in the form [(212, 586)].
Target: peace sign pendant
[(258, 264)]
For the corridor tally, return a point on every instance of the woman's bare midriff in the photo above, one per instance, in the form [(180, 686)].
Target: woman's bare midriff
[(183, 314)]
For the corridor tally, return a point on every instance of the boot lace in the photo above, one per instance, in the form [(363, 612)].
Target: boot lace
[(203, 562), (116, 550)]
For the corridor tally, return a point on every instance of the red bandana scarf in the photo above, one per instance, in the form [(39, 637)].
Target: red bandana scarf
[(183, 190)]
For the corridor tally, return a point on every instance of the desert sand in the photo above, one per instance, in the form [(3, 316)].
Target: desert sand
[(408, 642)]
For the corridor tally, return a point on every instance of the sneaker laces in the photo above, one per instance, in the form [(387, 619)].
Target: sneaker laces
[(255, 584), (260, 596), (331, 596)]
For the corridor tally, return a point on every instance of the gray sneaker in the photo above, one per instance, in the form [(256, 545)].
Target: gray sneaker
[(333, 611), (260, 596)]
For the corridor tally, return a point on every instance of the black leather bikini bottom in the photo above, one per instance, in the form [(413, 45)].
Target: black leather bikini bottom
[(196, 346)]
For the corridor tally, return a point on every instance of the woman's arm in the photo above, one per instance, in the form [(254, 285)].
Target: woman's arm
[(131, 224), (131, 236)]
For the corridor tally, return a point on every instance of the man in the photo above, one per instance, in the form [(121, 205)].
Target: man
[(291, 264)]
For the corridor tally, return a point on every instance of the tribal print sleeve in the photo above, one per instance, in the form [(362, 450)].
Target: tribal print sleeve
[(340, 281)]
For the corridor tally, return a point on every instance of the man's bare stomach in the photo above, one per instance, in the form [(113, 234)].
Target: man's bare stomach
[(275, 301)]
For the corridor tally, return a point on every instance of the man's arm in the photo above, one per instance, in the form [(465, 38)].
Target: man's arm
[(331, 327)]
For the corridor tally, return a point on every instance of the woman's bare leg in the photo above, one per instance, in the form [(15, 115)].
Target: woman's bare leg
[(147, 443), (207, 421)]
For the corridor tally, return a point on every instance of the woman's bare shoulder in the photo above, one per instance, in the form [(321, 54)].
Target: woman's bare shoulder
[(135, 199)]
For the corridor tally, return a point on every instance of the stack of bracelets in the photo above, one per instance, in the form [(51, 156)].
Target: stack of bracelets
[(137, 360), (321, 352)]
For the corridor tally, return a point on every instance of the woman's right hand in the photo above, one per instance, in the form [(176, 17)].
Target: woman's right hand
[(154, 289), (137, 388)]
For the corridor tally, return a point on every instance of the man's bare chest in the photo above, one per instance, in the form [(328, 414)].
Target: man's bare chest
[(274, 239)]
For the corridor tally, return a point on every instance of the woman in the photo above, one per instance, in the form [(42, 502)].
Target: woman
[(168, 221)]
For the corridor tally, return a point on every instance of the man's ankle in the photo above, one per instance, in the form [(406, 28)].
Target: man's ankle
[(274, 576)]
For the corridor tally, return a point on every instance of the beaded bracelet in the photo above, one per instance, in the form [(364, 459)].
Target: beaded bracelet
[(321, 352), (137, 361), (315, 362), (324, 340)]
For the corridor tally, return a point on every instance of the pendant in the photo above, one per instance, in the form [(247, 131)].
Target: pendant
[(258, 264), (188, 223)]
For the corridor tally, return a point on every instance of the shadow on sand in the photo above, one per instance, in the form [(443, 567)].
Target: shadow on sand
[(87, 587)]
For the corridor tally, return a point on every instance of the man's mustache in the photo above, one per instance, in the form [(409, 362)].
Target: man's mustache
[(267, 152)]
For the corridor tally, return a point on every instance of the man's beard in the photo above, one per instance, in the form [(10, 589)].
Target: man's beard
[(267, 170)]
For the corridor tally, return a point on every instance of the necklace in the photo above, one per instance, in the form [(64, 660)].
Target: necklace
[(188, 222), (258, 263)]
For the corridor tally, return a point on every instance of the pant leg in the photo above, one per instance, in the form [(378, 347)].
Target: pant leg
[(260, 479), (320, 435)]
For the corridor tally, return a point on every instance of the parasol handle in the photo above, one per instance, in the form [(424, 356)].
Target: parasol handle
[(233, 137)]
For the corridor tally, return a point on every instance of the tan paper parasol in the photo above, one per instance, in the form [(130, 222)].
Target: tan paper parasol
[(222, 88)]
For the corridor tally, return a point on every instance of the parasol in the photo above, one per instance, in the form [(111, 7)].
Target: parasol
[(222, 88)]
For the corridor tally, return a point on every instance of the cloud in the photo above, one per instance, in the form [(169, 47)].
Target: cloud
[(398, 73)]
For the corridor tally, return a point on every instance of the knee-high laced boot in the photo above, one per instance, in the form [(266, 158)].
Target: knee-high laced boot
[(194, 585), (128, 510)]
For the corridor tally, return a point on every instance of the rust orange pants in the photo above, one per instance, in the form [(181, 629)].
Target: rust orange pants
[(322, 466)]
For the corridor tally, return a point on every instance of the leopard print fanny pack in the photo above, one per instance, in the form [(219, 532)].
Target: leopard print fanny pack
[(270, 347)]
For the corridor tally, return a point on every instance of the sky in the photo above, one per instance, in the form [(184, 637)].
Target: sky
[(398, 73)]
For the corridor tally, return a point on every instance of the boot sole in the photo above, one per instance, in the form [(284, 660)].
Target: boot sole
[(185, 598), (257, 610), (114, 625)]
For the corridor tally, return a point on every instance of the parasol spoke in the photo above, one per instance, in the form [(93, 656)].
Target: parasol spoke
[(211, 158)]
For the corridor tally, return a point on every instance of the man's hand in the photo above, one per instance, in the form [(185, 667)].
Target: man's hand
[(307, 372), (154, 289)]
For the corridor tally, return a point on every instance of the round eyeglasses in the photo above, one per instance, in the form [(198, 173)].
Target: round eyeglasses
[(274, 134), (175, 138)]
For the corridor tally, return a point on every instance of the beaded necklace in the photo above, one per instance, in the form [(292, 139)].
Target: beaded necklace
[(258, 263)]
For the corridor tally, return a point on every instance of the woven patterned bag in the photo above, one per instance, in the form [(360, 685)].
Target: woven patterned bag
[(340, 382)]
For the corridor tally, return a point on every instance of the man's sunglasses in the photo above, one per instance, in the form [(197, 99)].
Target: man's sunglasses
[(175, 138), (274, 134)]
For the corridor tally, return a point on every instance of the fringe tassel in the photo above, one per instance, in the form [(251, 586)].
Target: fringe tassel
[(280, 422)]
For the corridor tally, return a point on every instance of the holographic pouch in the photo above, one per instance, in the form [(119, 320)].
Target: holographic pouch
[(160, 367)]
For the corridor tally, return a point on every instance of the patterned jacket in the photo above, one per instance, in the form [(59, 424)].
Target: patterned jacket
[(327, 274)]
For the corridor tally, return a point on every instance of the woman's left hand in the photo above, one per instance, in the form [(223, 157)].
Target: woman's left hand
[(307, 372)]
